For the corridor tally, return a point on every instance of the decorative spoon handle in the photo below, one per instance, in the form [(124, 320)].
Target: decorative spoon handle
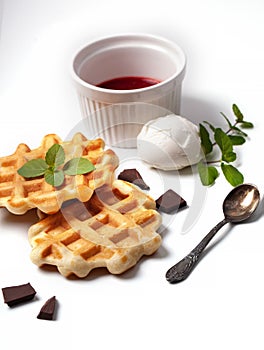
[(184, 267)]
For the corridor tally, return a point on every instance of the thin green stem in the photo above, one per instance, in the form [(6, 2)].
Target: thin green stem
[(229, 130), (213, 161)]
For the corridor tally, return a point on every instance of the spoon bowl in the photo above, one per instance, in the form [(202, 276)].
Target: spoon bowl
[(238, 206), (241, 202)]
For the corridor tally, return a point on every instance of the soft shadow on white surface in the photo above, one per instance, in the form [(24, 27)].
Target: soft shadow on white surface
[(198, 109), (8, 218)]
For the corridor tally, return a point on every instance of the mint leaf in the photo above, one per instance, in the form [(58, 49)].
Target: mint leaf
[(55, 155), (237, 113), (54, 177), (233, 176), (33, 168), (237, 140), (78, 166), (205, 139), (247, 125), (229, 157), (208, 174), (223, 141), (225, 144)]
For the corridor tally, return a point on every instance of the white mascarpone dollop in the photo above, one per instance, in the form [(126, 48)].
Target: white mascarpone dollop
[(169, 143)]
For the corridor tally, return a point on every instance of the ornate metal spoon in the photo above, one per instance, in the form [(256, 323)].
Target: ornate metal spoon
[(238, 206)]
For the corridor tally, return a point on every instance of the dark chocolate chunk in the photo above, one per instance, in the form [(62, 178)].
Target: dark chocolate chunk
[(48, 309), (18, 294), (170, 201), (134, 177)]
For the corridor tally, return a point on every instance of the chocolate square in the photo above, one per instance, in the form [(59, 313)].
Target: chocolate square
[(134, 177), (170, 201), (18, 294)]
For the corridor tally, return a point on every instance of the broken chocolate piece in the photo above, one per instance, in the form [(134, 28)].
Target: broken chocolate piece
[(134, 177), (18, 294), (170, 201), (48, 309)]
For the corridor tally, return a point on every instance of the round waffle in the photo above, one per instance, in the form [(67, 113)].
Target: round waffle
[(114, 229)]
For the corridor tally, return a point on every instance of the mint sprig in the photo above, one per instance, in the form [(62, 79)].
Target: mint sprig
[(225, 142), (53, 168)]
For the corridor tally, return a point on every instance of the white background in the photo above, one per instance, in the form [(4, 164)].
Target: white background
[(220, 305)]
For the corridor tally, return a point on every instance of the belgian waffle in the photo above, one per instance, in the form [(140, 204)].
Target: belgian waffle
[(114, 229), (18, 194)]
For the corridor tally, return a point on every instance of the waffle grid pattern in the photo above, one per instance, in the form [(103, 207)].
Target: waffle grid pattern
[(114, 229)]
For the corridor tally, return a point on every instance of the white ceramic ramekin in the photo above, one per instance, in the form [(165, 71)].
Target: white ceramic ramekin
[(119, 124), (127, 55)]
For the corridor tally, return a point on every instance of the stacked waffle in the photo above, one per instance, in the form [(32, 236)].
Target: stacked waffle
[(92, 220)]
